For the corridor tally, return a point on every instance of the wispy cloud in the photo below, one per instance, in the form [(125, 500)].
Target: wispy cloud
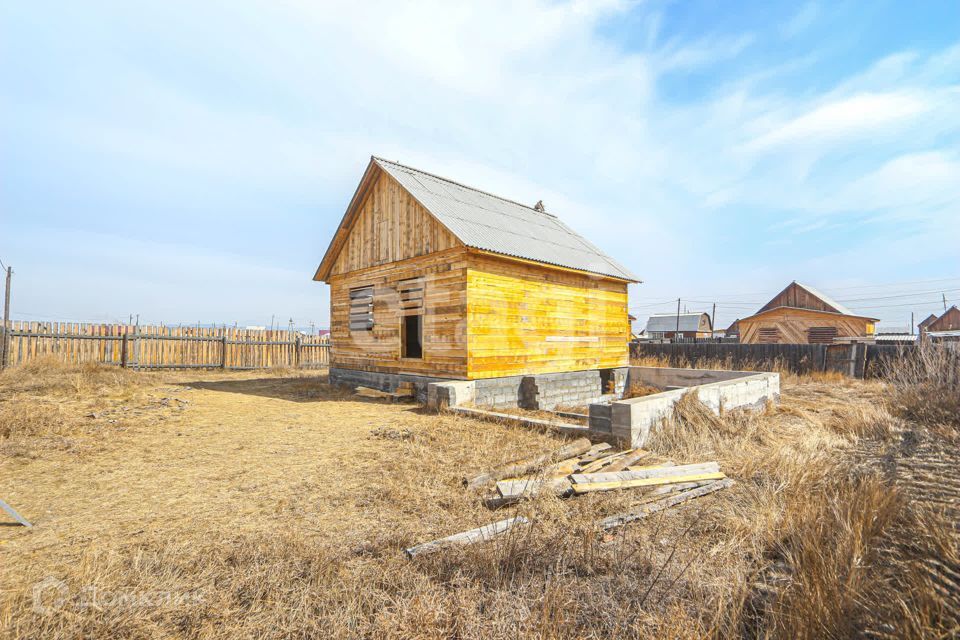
[(800, 21)]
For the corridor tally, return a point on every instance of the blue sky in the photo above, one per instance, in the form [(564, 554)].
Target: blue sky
[(190, 161)]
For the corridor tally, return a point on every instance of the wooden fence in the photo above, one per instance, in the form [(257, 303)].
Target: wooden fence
[(153, 347), (856, 360)]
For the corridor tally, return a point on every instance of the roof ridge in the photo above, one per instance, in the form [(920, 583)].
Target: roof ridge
[(465, 186)]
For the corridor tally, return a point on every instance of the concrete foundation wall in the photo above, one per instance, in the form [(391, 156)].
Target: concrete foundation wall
[(544, 391), (630, 421)]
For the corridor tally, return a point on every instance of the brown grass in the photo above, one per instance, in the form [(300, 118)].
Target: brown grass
[(262, 505), (926, 383)]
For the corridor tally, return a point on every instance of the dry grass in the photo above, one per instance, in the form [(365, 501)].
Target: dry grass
[(256, 505), (926, 383)]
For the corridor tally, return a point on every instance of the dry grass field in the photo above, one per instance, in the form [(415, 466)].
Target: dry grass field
[(210, 505)]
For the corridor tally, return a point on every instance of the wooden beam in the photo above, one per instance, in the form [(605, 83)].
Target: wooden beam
[(644, 473), (644, 482), (480, 534), (645, 510), (521, 467)]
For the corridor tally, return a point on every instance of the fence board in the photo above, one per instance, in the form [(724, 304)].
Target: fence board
[(159, 347)]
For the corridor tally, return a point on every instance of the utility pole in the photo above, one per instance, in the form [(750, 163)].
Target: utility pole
[(942, 294), (677, 332), (713, 320), (6, 320), (911, 323)]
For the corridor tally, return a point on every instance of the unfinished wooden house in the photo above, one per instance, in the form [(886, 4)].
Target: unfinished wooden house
[(431, 278), (802, 315)]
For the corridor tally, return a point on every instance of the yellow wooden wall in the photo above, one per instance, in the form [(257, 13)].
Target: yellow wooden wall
[(793, 325), (444, 321), (523, 318), (390, 226)]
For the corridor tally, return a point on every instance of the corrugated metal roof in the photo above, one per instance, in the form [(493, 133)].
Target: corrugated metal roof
[(485, 221), (886, 330), (830, 301), (661, 322), (895, 337)]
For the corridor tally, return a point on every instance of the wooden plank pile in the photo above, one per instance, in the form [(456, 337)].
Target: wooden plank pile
[(582, 467)]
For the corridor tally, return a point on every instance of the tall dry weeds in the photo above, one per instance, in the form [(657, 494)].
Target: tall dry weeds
[(926, 383)]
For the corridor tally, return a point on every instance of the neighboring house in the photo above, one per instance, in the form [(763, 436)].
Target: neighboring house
[(946, 328), (801, 314), (894, 335), (922, 327), (687, 325), (949, 321), (733, 331), (431, 277)]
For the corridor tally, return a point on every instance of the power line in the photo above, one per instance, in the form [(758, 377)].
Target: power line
[(904, 304)]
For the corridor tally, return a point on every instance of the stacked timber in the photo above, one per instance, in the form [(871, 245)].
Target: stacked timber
[(581, 467)]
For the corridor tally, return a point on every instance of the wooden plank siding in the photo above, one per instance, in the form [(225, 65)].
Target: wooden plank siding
[(796, 296), (390, 226), (523, 319), (444, 304), (796, 326)]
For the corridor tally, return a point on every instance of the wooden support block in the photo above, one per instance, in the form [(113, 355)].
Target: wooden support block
[(644, 482), (480, 534), (650, 508)]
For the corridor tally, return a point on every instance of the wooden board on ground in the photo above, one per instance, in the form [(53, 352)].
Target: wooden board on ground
[(635, 456), (644, 482), (647, 509), (649, 472), (400, 393), (597, 451), (480, 534), (602, 463), (570, 450)]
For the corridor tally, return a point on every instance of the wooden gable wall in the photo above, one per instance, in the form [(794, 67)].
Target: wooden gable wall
[(793, 326), (798, 297), (390, 226), (949, 321)]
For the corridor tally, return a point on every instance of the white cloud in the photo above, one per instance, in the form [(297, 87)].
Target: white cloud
[(845, 118)]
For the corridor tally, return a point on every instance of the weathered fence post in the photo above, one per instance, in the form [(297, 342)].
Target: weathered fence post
[(5, 342), (296, 352), (123, 351), (223, 352)]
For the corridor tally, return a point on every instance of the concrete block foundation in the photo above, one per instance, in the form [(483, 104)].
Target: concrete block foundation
[(625, 421), (630, 421)]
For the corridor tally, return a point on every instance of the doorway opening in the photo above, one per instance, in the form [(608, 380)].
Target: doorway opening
[(411, 338)]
